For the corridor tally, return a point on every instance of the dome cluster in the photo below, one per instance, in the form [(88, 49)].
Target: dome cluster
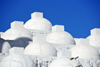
[(44, 45)]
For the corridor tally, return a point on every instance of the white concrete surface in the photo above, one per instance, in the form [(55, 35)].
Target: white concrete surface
[(1, 33), (60, 37), (5, 48), (38, 22), (40, 48), (85, 52), (62, 62), (58, 28), (36, 15), (95, 37), (50, 46), (64, 53), (80, 41), (16, 50), (40, 37), (16, 32), (15, 24), (95, 31), (16, 60)]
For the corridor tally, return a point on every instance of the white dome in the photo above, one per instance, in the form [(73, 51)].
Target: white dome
[(85, 52), (61, 62), (38, 23), (60, 37), (40, 48), (17, 61), (4, 46), (88, 37), (18, 32)]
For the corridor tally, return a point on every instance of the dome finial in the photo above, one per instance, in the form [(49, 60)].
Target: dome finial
[(37, 14), (58, 28), (17, 24)]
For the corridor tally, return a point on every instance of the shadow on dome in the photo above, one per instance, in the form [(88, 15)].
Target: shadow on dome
[(20, 42)]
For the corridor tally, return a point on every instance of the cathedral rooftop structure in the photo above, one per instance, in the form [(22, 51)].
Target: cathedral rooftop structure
[(37, 22), (16, 31), (39, 44), (59, 36)]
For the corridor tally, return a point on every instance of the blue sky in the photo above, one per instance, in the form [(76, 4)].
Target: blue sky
[(78, 16)]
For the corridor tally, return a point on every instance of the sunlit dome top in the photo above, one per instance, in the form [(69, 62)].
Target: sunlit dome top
[(40, 48), (60, 37), (88, 37), (16, 31), (37, 22), (17, 61), (85, 52)]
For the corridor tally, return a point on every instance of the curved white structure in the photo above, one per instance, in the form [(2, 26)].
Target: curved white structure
[(4, 46), (16, 32), (61, 62), (85, 52), (16, 60), (37, 22), (40, 48), (88, 37), (60, 37), (47, 46)]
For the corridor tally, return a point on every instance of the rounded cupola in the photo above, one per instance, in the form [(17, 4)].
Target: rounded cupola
[(37, 22)]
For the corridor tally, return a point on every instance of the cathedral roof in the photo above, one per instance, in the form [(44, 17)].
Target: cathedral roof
[(40, 48), (60, 37), (37, 22), (85, 52), (16, 31)]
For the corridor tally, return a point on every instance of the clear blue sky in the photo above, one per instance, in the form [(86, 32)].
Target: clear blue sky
[(78, 16)]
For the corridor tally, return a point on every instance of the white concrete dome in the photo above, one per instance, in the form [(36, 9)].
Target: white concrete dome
[(4, 46), (88, 37), (61, 62), (85, 52), (18, 32), (16, 60), (38, 23), (40, 48), (60, 37)]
